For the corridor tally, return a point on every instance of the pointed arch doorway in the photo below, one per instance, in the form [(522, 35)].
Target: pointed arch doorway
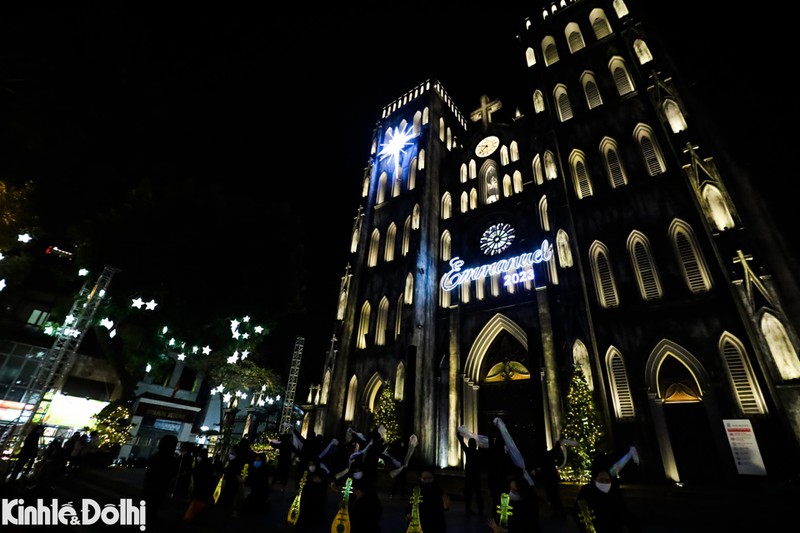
[(501, 381), (687, 437)]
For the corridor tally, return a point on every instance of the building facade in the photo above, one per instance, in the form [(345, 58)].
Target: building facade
[(588, 220)]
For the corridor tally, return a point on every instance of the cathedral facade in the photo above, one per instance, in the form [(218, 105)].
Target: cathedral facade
[(591, 226)]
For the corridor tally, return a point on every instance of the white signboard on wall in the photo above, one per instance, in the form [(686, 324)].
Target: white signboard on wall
[(744, 447)]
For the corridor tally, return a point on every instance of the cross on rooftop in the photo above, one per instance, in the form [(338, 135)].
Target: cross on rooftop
[(484, 112)]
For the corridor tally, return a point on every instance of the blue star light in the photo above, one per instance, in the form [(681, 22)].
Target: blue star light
[(396, 141)]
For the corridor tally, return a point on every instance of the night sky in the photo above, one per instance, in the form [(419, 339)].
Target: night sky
[(195, 143)]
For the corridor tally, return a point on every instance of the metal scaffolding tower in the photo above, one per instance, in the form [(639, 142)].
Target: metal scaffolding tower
[(54, 371), (52, 374), (291, 387)]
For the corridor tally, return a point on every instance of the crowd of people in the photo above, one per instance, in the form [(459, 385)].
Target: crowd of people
[(349, 468), (45, 464), (325, 469)]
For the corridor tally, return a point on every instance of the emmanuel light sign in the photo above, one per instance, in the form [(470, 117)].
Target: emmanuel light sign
[(522, 263)]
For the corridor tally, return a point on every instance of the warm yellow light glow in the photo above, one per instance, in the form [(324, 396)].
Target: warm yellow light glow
[(73, 412)]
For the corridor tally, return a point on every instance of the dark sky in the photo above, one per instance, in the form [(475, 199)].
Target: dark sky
[(246, 119)]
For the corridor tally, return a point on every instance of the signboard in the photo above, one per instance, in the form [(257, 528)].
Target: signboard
[(744, 447), (167, 425), (159, 409), (517, 269), (13, 411)]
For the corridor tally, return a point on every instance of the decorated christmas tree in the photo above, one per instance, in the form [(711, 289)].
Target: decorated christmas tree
[(113, 424), (582, 425), (386, 414)]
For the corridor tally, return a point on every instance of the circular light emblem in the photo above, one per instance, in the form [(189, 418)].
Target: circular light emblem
[(497, 238)]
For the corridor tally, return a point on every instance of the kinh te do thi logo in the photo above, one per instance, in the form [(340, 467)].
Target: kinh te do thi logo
[(40, 512)]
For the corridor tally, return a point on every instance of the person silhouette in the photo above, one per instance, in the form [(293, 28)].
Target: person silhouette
[(27, 453), (433, 505), (600, 506), (472, 474), (160, 474)]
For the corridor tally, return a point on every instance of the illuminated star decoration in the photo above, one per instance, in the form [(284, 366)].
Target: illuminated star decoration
[(2, 284), (137, 303), (24, 237), (151, 305), (396, 142)]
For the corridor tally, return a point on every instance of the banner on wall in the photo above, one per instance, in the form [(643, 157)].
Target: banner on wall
[(744, 447)]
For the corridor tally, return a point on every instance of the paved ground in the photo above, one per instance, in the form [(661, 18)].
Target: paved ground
[(761, 506)]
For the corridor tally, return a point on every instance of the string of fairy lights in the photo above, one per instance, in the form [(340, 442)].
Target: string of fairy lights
[(244, 335)]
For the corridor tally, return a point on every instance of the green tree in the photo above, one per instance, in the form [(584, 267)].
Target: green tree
[(386, 414), (113, 425), (582, 425)]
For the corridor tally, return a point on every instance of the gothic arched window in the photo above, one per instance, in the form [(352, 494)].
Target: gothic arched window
[(604, 284), (580, 174), (562, 101), (549, 50), (590, 90)]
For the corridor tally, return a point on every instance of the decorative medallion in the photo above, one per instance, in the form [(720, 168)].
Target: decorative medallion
[(497, 238)]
